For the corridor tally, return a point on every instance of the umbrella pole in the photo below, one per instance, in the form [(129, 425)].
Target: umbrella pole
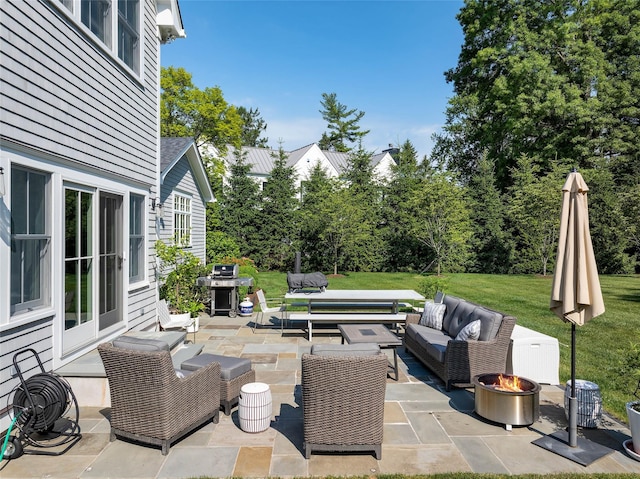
[(573, 413)]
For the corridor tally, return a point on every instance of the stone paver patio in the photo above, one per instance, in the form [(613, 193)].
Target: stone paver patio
[(427, 430)]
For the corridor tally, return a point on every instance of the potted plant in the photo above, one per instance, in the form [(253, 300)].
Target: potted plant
[(178, 271), (631, 369)]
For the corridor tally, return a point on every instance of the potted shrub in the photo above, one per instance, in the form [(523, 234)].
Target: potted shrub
[(178, 271), (631, 369)]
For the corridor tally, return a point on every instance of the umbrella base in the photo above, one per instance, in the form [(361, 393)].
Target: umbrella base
[(585, 452)]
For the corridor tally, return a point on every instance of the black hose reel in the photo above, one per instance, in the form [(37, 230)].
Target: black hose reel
[(43, 408)]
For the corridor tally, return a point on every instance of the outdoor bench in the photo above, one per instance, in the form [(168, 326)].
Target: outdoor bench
[(343, 317)]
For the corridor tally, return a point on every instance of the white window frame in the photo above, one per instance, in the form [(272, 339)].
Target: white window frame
[(182, 216), (137, 201), (44, 300), (111, 43)]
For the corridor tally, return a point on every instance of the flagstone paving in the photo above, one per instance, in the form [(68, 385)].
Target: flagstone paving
[(427, 430)]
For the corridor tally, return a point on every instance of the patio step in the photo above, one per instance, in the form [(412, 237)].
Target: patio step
[(87, 378)]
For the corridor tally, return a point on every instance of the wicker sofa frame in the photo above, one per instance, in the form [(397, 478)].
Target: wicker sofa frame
[(343, 403), (465, 359), (150, 404), (230, 390)]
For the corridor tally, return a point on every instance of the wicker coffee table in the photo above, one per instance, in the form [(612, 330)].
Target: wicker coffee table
[(372, 333)]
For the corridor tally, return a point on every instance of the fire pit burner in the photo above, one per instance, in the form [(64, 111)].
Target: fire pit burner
[(509, 407)]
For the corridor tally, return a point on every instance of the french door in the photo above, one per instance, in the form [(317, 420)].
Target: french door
[(92, 265)]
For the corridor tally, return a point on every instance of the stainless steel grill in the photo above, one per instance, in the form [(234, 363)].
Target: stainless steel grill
[(223, 284)]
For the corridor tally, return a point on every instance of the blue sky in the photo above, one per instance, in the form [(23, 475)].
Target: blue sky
[(386, 58)]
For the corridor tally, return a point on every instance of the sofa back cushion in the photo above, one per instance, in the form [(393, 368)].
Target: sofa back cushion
[(460, 318), (451, 303), (490, 322)]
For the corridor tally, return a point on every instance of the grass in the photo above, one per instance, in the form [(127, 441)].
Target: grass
[(600, 344)]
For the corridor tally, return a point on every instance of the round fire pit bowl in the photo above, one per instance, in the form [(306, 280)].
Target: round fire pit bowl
[(511, 408)]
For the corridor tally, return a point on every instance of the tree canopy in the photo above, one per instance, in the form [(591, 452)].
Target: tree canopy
[(342, 123)]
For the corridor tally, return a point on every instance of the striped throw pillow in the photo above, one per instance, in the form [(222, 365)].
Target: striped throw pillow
[(470, 331), (433, 315)]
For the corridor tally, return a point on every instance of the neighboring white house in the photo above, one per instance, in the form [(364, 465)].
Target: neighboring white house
[(303, 160), (79, 171), (184, 194)]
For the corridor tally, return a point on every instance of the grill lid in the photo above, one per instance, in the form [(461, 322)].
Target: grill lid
[(225, 271)]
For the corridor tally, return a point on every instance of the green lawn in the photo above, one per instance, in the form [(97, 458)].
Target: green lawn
[(600, 344)]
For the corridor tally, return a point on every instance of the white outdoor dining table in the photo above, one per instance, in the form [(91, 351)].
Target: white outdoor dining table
[(346, 306), (391, 296)]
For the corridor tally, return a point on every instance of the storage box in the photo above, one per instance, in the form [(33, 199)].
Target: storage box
[(533, 355)]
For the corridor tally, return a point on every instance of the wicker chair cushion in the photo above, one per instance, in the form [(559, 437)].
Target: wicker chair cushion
[(230, 367), (345, 350), (435, 342), (140, 344)]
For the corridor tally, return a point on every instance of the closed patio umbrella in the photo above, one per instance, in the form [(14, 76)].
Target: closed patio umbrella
[(576, 298)]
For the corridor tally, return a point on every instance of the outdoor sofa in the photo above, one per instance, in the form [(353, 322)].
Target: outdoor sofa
[(458, 339)]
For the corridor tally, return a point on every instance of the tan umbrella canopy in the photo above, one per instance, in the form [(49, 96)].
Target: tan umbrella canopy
[(575, 294), (576, 298)]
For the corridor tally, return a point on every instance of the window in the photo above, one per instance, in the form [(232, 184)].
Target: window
[(128, 38), (182, 220), (30, 240), (96, 16), (104, 21), (136, 238)]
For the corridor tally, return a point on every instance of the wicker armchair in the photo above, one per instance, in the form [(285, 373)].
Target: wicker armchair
[(150, 403), (343, 402)]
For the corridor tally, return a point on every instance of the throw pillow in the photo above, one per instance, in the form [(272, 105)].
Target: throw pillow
[(433, 315), (470, 331)]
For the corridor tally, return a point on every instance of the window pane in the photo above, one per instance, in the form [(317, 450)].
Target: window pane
[(37, 212), (86, 290), (32, 273), (71, 223), (136, 212), (95, 14), (16, 271), (86, 222), (19, 204), (71, 313)]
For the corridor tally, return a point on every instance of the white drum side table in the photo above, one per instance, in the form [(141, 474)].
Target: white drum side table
[(255, 407)]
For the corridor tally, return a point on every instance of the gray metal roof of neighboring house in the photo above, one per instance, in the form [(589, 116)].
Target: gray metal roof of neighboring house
[(171, 148), (262, 159)]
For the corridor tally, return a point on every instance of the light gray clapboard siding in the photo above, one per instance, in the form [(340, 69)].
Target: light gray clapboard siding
[(180, 178), (94, 108), (37, 336), (62, 95)]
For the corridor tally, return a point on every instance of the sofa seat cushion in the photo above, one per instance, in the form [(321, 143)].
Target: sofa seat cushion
[(433, 341), (346, 350), (230, 367)]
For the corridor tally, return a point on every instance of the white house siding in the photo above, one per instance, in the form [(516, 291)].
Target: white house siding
[(180, 180), (70, 109)]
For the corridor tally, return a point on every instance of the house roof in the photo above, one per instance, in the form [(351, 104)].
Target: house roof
[(262, 159), (172, 149)]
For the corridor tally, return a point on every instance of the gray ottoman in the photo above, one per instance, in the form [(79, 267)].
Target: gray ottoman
[(234, 373)]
